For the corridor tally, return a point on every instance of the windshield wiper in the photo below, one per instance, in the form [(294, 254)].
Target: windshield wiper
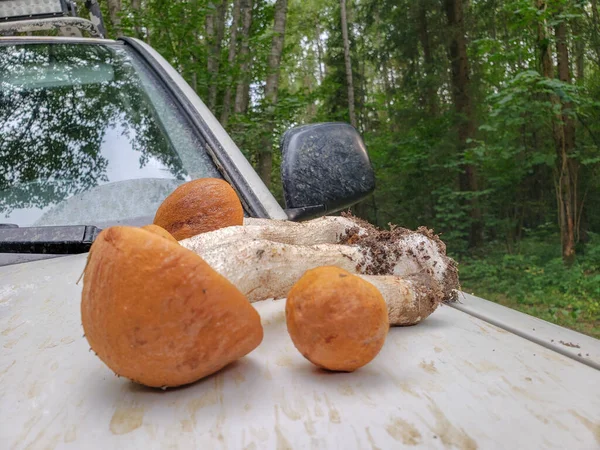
[(57, 240)]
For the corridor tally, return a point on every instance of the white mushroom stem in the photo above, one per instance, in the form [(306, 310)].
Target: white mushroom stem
[(324, 230), (265, 258), (264, 269), (410, 299)]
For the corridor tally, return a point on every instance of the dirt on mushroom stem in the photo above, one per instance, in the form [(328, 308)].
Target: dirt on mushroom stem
[(383, 250), (410, 299)]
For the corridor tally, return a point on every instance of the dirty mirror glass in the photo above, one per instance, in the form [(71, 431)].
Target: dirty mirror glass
[(88, 136)]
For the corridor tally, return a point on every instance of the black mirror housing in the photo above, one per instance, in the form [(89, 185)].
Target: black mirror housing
[(325, 168)]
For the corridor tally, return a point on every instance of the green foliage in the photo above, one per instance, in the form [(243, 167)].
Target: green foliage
[(536, 281), (407, 113)]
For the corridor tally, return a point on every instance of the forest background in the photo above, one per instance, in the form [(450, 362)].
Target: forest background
[(481, 118)]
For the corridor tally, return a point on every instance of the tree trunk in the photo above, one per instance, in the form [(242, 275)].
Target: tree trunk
[(114, 11), (565, 146), (385, 74), (265, 156), (211, 60), (242, 94), (386, 84), (544, 44), (578, 27), (461, 85), (363, 116), (194, 82), (547, 70), (580, 59), (319, 51), (580, 229), (596, 32), (349, 83), (231, 58), (136, 6), (311, 108), (215, 23), (430, 91)]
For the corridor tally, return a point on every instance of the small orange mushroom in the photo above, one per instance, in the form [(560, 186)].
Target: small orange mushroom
[(199, 206), (337, 320)]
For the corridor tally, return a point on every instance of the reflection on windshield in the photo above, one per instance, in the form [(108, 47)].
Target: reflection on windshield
[(72, 118)]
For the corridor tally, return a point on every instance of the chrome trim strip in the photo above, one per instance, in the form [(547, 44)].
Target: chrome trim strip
[(577, 346)]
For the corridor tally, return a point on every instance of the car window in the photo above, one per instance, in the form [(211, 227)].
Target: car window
[(88, 135)]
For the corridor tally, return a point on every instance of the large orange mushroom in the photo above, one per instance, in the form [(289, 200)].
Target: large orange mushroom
[(158, 314)]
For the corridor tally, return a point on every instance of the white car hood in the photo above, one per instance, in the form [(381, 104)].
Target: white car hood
[(452, 381)]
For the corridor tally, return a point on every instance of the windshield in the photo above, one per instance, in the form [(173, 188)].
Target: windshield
[(88, 135)]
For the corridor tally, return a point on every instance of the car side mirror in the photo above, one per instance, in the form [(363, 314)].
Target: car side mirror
[(325, 168)]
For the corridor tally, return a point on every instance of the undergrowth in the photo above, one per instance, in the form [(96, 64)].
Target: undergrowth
[(535, 281)]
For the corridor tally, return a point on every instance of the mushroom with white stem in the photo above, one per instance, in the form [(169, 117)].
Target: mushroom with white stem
[(264, 259)]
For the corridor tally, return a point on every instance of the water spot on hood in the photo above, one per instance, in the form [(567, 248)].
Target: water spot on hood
[(126, 419), (403, 431), (428, 366), (593, 427), (450, 435)]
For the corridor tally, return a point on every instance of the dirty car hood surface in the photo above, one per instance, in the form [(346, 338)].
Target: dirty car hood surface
[(452, 381)]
